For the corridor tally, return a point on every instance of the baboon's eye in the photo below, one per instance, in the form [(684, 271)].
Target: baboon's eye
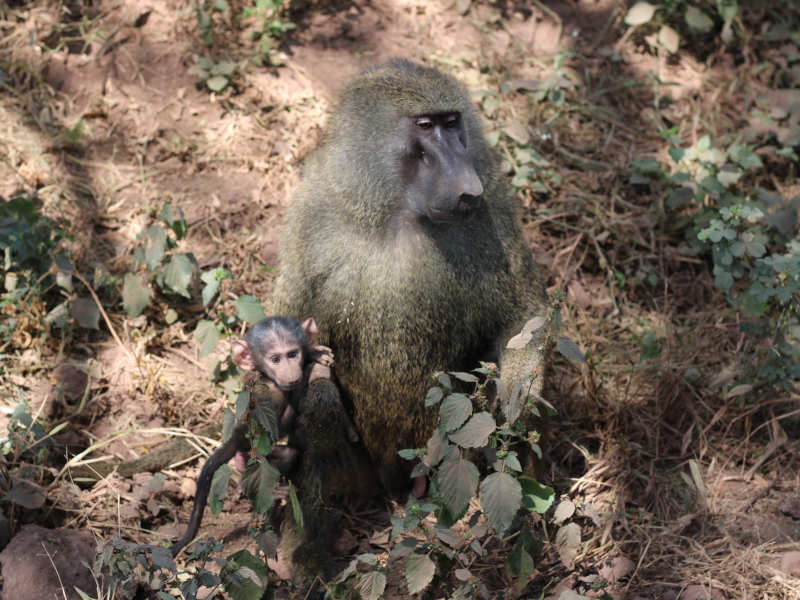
[(292, 354), (451, 121), (424, 123), (275, 359)]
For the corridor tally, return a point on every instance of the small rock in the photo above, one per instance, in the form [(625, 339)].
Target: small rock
[(46, 563), (700, 592), (790, 563)]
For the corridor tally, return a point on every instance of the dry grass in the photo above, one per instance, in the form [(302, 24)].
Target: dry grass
[(669, 472)]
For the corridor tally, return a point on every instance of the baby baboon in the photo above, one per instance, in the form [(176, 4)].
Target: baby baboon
[(404, 242), (284, 352)]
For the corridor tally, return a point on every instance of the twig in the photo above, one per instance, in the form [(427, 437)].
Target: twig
[(105, 315)]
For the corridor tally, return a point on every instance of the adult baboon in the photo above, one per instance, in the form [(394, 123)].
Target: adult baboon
[(403, 242)]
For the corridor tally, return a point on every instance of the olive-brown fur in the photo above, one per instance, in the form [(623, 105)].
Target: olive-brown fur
[(396, 297)]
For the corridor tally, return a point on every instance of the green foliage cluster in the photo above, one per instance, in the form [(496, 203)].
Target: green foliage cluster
[(28, 241), (178, 277), (128, 566), (24, 454), (267, 23), (472, 429), (669, 19), (529, 170), (753, 238), (269, 27), (172, 272)]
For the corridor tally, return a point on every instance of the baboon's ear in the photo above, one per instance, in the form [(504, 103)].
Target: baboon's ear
[(242, 355), (311, 329)]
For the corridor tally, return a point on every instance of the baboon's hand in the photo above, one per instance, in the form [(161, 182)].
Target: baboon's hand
[(323, 356)]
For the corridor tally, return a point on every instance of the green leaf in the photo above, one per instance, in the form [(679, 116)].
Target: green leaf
[(513, 405), (728, 175), (178, 274), (465, 377), (501, 498), (519, 562), (135, 294), (458, 480), (698, 20), (297, 511), (219, 487), (570, 349), (223, 68), (535, 496), (86, 313), (407, 454), (228, 423), (454, 411), (245, 577), (476, 432), (212, 278), (347, 572), (722, 278), (249, 309), (174, 219), (207, 336), (162, 558), (217, 83), (266, 416), (639, 14), (676, 154), (242, 404), (419, 572), (444, 381), (435, 449), (156, 247), (371, 585), (433, 396), (512, 462), (449, 537), (259, 482)]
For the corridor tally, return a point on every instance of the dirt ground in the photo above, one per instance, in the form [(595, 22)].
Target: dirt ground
[(627, 438)]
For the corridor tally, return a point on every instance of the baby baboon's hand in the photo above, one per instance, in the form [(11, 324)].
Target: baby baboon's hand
[(322, 355)]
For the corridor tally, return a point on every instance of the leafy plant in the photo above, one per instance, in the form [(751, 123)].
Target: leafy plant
[(206, 13), (270, 26), (216, 75), (173, 272), (674, 17), (754, 242), (38, 274), (472, 431)]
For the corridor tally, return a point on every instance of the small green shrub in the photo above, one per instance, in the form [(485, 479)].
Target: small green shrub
[(753, 239)]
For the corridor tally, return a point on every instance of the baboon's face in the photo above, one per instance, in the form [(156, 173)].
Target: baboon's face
[(442, 184), (283, 363)]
